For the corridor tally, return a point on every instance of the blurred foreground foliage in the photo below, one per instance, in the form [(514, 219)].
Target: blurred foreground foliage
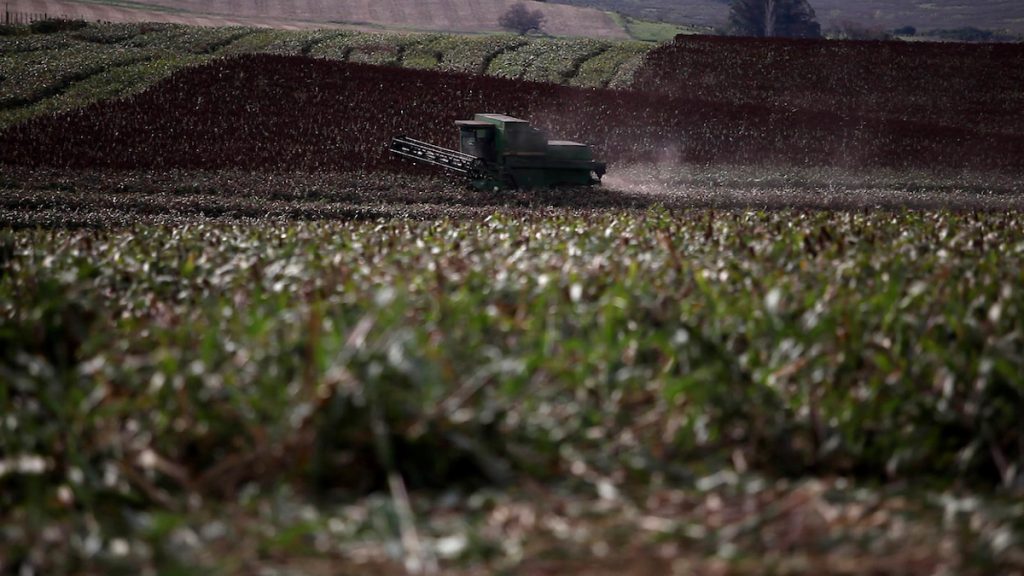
[(147, 368)]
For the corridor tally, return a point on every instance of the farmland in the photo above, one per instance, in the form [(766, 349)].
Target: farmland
[(45, 73), (191, 121), (929, 83), (235, 336), (452, 16)]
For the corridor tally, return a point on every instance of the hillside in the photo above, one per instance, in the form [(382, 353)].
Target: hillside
[(681, 111), (885, 14), (425, 15), (47, 73)]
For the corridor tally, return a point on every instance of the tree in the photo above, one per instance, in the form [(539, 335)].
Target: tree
[(768, 18), (521, 19)]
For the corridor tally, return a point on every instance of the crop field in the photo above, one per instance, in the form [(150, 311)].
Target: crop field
[(45, 73), (647, 369), (237, 337), (327, 115), (453, 16), (952, 85)]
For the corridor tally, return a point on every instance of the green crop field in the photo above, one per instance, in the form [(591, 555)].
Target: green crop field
[(644, 386), (653, 31), (44, 73)]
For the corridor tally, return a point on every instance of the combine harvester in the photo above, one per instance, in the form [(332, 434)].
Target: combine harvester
[(501, 152)]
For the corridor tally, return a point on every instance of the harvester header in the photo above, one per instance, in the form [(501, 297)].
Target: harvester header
[(499, 151)]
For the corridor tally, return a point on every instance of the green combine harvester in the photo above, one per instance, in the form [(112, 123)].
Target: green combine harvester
[(500, 152)]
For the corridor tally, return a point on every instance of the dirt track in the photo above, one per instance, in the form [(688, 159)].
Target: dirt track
[(431, 15)]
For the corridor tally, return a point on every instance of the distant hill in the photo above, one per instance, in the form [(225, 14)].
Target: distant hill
[(1007, 15), (424, 15), (699, 12)]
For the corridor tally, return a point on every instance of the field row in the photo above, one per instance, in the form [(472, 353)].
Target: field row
[(38, 71), (33, 198), (654, 360)]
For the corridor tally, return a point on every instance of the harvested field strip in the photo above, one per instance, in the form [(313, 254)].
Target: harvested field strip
[(309, 114)]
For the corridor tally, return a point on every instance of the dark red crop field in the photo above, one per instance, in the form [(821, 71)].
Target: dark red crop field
[(292, 113), (975, 86)]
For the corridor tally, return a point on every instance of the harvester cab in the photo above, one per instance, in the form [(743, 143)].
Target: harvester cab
[(499, 151)]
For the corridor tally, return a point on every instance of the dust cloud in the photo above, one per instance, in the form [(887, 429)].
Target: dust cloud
[(678, 185)]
